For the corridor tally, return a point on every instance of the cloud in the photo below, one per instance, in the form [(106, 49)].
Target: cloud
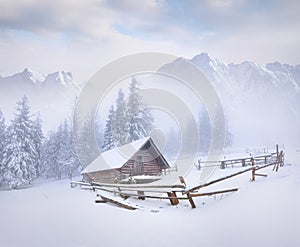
[(150, 19), (66, 16), (68, 33)]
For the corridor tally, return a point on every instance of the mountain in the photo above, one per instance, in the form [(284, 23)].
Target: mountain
[(261, 101), (52, 95), (32, 79)]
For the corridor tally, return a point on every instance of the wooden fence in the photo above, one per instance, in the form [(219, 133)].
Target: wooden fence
[(148, 191), (244, 161)]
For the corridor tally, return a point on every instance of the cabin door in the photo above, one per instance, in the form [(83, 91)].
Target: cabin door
[(138, 166)]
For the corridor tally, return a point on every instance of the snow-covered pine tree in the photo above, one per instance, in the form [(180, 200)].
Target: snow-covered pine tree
[(108, 142), (62, 155), (37, 137), (120, 121), (49, 156), (3, 140), (67, 159), (59, 159), (140, 118), (99, 133), (19, 152), (86, 146)]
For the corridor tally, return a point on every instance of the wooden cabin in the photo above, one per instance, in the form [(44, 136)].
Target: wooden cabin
[(141, 157)]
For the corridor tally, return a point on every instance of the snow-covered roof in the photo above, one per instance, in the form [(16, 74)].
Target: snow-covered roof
[(115, 158)]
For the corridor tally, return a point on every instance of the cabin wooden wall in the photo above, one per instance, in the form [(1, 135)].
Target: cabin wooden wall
[(107, 176), (151, 165)]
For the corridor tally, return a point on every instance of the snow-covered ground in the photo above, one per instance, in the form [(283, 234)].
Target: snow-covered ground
[(261, 213)]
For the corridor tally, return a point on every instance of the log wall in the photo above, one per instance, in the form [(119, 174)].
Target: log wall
[(151, 165), (107, 176)]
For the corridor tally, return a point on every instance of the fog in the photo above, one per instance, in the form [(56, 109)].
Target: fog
[(252, 117)]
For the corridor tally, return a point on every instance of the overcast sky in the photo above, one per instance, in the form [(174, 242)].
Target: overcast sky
[(82, 36)]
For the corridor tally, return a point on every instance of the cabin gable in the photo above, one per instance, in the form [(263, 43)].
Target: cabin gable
[(146, 161)]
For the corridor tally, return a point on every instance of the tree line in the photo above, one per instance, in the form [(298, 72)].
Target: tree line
[(26, 154)]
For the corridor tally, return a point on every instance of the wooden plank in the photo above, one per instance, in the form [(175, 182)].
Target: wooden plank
[(80, 183), (181, 179), (281, 158), (213, 193), (191, 200), (217, 180), (253, 174), (223, 165), (243, 162), (137, 186), (147, 196), (153, 191), (117, 203), (262, 175), (125, 190), (277, 167), (174, 201), (240, 160), (262, 167), (193, 205), (100, 201), (274, 167)]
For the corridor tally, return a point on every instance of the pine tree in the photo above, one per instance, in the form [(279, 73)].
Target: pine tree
[(3, 140), (49, 156), (67, 159), (38, 137), (59, 159), (108, 142), (140, 118), (99, 134), (120, 121), (19, 163), (86, 145)]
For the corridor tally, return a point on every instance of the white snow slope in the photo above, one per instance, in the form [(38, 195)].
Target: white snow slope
[(261, 213)]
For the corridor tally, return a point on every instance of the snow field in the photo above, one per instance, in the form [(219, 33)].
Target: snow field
[(261, 213)]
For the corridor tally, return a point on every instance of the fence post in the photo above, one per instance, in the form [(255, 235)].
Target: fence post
[(223, 165), (278, 157), (173, 198), (253, 169), (193, 205), (282, 158), (243, 162)]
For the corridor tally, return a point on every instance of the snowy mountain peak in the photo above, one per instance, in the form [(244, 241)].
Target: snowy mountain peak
[(202, 57), (61, 77), (32, 75), (206, 62), (28, 80)]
